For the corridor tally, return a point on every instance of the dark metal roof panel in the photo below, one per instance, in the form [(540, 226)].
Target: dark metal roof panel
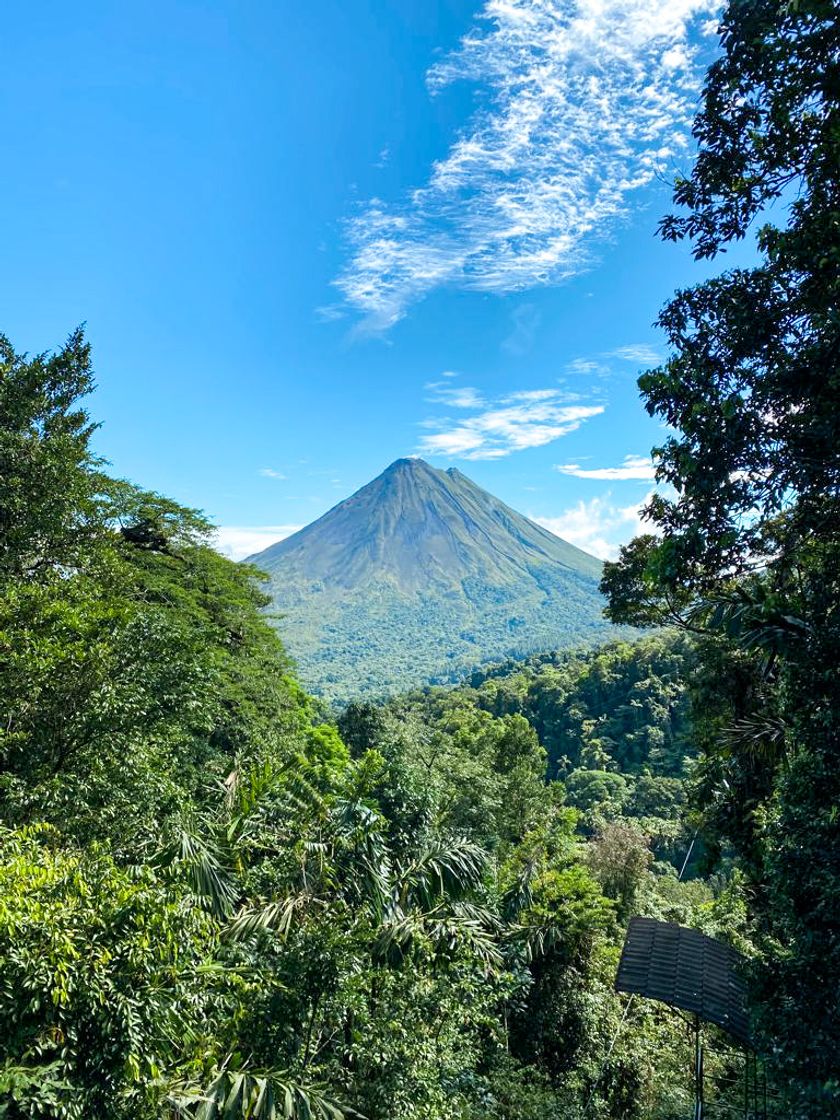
[(684, 968)]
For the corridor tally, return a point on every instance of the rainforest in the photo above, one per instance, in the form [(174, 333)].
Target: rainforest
[(218, 898)]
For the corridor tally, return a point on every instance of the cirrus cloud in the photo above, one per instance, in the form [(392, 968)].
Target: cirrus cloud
[(636, 467), (586, 102), (514, 423), (464, 397), (639, 353)]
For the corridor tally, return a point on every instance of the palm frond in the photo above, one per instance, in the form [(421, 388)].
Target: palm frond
[(301, 790), (451, 934), (763, 737), (194, 853), (519, 896), (276, 916), (242, 1095), (473, 912), (447, 869), (444, 933), (537, 940), (355, 818), (362, 855), (397, 938), (247, 791)]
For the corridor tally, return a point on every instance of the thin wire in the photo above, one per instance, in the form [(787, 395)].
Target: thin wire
[(609, 1052), (687, 857)]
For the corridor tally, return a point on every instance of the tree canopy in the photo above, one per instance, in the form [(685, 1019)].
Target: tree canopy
[(746, 548)]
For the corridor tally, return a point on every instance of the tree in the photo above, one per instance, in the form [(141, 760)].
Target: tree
[(748, 548), (97, 964), (619, 856), (136, 674), (47, 472)]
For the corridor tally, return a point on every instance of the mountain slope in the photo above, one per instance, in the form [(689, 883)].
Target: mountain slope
[(419, 576)]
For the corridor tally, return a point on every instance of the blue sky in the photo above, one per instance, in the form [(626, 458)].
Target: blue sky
[(308, 239)]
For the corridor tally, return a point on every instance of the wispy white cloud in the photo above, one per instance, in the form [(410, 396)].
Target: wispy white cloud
[(599, 526), (269, 472), (586, 101), (639, 353), (603, 365), (463, 397), (638, 467), (533, 395), (239, 541), (330, 312), (586, 367), (513, 423)]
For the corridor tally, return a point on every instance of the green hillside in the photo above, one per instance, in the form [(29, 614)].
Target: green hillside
[(420, 576)]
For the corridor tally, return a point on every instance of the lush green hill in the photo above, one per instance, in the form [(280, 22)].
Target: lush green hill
[(420, 576)]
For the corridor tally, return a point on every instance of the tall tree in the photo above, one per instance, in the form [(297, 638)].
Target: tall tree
[(748, 546), (47, 480)]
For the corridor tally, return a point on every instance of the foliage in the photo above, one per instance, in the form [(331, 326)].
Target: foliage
[(378, 641), (254, 1096), (213, 902), (47, 475), (216, 903), (747, 551), (92, 959)]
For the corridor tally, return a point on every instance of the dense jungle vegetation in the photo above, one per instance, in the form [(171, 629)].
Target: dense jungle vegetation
[(216, 902)]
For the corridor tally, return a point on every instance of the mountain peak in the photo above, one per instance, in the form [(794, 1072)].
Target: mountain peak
[(420, 527), (409, 464)]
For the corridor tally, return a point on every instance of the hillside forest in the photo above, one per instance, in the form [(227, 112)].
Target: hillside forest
[(218, 898)]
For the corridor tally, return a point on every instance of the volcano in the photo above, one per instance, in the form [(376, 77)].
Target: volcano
[(420, 576)]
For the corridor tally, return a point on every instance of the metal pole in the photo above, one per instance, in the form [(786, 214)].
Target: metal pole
[(764, 1087), (698, 1070)]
